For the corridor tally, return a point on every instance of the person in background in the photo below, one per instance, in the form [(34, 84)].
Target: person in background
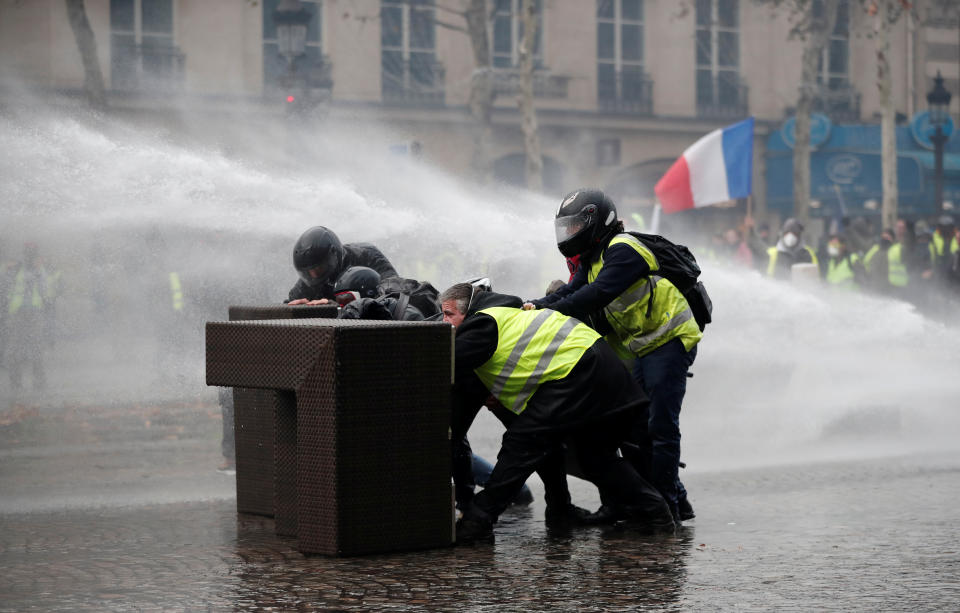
[(886, 269), (27, 300), (320, 258), (735, 249), (789, 250), (843, 270)]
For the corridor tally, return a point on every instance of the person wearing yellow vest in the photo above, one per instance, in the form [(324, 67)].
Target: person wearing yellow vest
[(843, 270), (560, 381), (26, 302), (645, 318), (943, 245), (885, 265), (789, 250)]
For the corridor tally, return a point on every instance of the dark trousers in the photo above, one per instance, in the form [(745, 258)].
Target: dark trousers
[(663, 375), (524, 451)]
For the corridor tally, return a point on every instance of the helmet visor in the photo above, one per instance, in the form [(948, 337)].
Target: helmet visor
[(320, 272), (571, 225)]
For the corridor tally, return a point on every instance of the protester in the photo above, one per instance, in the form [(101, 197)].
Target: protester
[(618, 292), (843, 269), (320, 258), (886, 270), (561, 381), (27, 298), (789, 250)]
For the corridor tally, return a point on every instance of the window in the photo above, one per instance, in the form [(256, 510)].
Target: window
[(408, 49), (274, 64), (620, 75), (142, 50), (508, 32), (718, 55), (834, 70)]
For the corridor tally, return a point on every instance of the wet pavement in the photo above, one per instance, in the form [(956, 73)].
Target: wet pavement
[(120, 508)]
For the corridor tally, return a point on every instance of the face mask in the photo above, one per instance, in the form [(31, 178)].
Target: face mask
[(885, 242), (833, 250), (790, 240)]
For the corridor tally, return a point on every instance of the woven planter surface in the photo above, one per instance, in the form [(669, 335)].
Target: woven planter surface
[(368, 438)]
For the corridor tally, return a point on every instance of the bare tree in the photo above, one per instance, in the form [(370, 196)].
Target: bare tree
[(812, 21), (87, 44), (528, 112), (885, 15)]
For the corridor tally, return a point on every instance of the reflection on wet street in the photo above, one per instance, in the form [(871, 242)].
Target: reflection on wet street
[(864, 535)]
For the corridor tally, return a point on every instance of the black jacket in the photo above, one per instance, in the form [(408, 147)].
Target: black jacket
[(599, 386), (383, 308), (622, 267), (355, 254)]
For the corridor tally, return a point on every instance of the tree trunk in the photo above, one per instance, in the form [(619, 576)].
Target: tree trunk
[(482, 92), (87, 45), (888, 136), (817, 37), (528, 112)]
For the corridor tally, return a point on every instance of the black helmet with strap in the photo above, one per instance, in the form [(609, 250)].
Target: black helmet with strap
[(318, 256), (586, 219)]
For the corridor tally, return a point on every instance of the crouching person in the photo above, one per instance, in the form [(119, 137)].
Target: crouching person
[(562, 381)]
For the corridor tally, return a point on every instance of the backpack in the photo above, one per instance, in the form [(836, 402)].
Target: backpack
[(421, 295), (677, 265)]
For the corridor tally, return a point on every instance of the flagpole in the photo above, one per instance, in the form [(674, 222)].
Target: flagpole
[(655, 219)]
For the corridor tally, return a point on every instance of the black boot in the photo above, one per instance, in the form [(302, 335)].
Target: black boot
[(472, 530), (685, 509), (567, 515)]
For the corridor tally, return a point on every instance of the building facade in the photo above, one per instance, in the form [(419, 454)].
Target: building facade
[(621, 86)]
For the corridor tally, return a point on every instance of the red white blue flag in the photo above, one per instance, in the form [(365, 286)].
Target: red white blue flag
[(716, 168)]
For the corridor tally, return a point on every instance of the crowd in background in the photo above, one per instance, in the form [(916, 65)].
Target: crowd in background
[(917, 260)]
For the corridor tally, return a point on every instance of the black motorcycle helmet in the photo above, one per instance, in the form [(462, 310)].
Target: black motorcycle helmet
[(585, 219), (317, 256), (360, 279)]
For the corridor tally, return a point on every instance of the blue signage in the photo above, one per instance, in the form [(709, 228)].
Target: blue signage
[(922, 129), (819, 130)]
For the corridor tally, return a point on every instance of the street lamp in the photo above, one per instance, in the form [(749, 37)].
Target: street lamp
[(938, 101)]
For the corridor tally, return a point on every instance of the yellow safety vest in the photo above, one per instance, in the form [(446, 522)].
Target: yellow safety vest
[(896, 270), (840, 271), (533, 347), (176, 291), (19, 290), (772, 261), (936, 245), (642, 323)]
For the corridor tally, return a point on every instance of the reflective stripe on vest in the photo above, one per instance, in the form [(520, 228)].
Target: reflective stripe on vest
[(20, 289), (642, 322), (772, 261), (176, 291), (533, 347)]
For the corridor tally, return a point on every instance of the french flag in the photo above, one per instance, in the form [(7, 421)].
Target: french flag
[(716, 168)]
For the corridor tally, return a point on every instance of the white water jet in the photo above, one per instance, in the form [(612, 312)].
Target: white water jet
[(783, 374)]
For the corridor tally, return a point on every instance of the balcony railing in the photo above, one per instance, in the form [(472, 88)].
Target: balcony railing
[(414, 84), (735, 103), (840, 104), (146, 67), (628, 93), (506, 81)]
